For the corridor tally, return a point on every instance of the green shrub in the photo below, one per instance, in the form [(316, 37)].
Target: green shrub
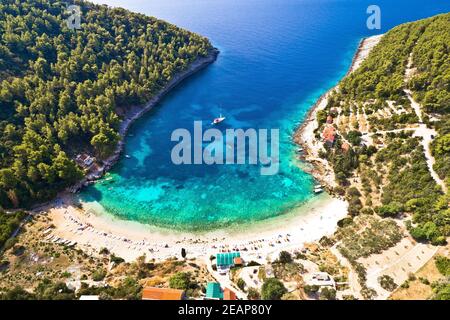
[(181, 280), (368, 293), (253, 294), (390, 210), (443, 265), (241, 284), (10, 243), (253, 264), (285, 257), (327, 294), (441, 291), (387, 283), (116, 260), (345, 222), (99, 275), (272, 289), (104, 251), (310, 290)]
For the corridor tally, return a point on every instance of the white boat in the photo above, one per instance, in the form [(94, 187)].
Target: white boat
[(218, 120), (318, 190), (127, 156)]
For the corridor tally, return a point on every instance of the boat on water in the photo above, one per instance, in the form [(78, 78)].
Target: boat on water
[(318, 188), (218, 120), (127, 156)]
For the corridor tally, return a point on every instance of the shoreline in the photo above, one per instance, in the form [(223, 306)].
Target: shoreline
[(136, 112), (304, 135), (93, 229)]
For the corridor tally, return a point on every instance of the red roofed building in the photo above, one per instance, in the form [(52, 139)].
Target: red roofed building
[(152, 293), (329, 135), (229, 295), (238, 261)]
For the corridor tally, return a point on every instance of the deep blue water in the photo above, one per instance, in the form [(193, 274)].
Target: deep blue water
[(277, 57)]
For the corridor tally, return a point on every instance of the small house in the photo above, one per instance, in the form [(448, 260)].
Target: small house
[(84, 160), (322, 279), (329, 135)]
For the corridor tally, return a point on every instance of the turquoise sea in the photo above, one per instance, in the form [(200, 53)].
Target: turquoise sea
[(277, 57)]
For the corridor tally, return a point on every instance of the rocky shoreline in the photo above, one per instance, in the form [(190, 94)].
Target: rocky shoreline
[(304, 135), (135, 113)]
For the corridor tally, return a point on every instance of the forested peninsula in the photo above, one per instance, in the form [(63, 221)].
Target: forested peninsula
[(385, 130), (64, 91)]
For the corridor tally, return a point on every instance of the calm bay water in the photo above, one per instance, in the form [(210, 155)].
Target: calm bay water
[(277, 57)]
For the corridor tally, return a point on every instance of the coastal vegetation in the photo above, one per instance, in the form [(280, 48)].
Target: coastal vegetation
[(367, 236), (385, 133), (9, 222), (443, 265), (387, 283), (441, 291), (381, 75), (379, 161), (65, 91), (272, 289), (35, 268)]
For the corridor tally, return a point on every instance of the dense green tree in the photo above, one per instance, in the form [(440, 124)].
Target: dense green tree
[(285, 257), (181, 280), (60, 89), (8, 223), (327, 294), (272, 289), (17, 293), (253, 294), (443, 265), (379, 84)]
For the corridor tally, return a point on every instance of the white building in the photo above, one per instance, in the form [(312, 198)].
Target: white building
[(321, 279)]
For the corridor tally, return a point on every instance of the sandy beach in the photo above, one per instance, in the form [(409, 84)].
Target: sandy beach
[(93, 231), (88, 227)]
